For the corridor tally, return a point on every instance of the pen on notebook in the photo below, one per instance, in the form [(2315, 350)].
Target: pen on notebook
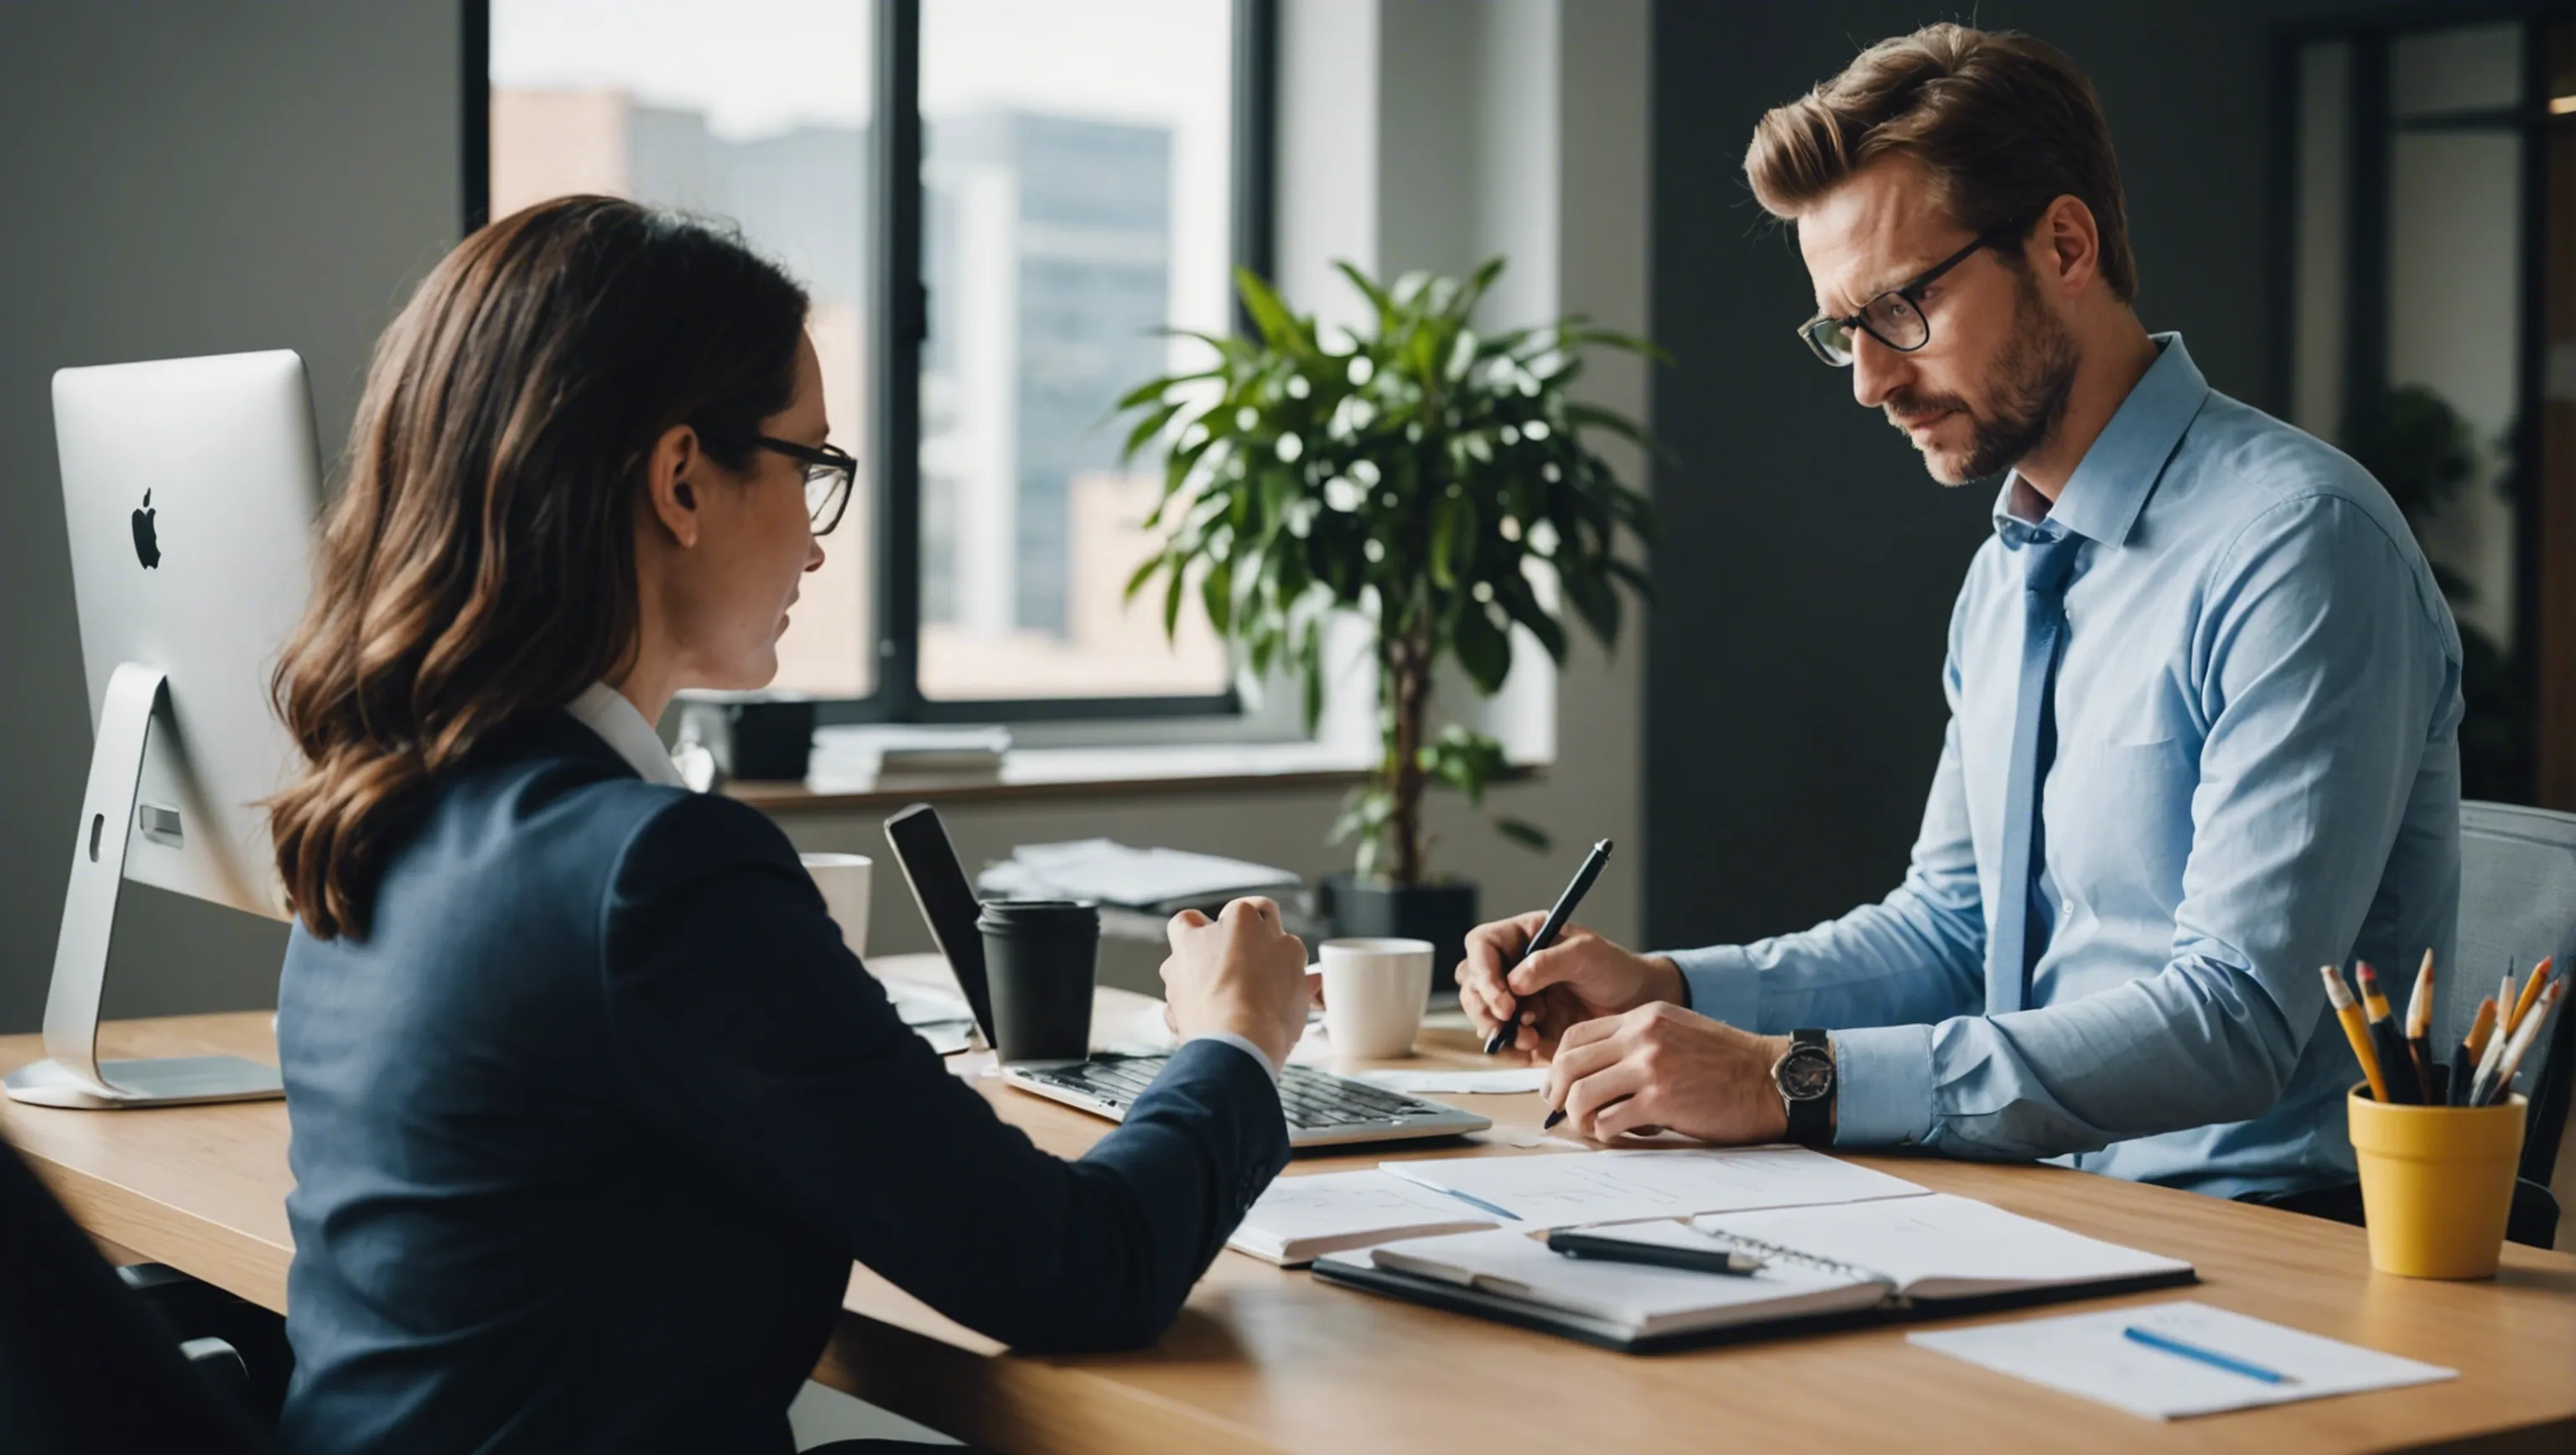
[(2529, 997), (2464, 1056), (2168, 1344), (1574, 1243), (2356, 1030), (2395, 1064), (2419, 1030), (1548, 930), (2498, 1085)]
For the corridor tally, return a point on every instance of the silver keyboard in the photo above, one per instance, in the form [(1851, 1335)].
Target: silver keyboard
[(1321, 1108)]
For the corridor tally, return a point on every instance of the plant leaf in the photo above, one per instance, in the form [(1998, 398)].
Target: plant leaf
[(1146, 428), (1279, 328), (1145, 393), (1382, 300), (1482, 650), (1144, 573), (1524, 833), (1172, 605)]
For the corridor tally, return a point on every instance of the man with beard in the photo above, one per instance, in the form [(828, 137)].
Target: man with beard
[(2203, 695)]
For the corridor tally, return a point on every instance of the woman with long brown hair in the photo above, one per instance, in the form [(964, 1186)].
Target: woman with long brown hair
[(592, 1109)]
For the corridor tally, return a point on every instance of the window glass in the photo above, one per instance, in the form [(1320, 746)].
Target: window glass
[(1077, 181), (752, 110)]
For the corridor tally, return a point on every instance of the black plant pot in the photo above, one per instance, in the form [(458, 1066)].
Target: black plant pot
[(1442, 913)]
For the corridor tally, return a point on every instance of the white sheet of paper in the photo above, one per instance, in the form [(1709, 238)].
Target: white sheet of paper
[(1943, 1246), (1515, 1081), (1345, 1210), (2087, 1355), (1113, 873), (1608, 1187), (924, 1005)]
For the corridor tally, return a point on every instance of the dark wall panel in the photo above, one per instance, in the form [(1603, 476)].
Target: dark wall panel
[(1808, 566), (183, 177)]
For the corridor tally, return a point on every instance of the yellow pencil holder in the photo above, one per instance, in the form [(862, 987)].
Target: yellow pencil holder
[(2436, 1183)]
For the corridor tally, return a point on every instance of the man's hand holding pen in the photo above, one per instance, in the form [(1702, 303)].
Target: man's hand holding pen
[(1624, 1055), (1578, 978)]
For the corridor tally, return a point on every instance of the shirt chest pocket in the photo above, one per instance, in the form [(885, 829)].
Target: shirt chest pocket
[(2119, 822)]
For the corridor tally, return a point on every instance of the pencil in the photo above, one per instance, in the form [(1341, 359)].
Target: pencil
[(2419, 1027), (2480, 1027), (2464, 1056), (2494, 1054), (2530, 994), (2499, 1086), (2396, 1063), (2355, 1030)]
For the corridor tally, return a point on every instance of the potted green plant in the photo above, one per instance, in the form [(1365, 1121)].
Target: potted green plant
[(1434, 480)]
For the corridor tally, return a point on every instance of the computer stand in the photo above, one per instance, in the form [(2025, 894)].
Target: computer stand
[(72, 1075)]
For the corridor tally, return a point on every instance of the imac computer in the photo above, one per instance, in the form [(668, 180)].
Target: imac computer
[(190, 487)]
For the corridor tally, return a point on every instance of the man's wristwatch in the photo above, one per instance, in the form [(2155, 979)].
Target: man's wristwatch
[(1805, 1076)]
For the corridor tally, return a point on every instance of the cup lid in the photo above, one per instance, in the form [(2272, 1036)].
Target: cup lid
[(1018, 914)]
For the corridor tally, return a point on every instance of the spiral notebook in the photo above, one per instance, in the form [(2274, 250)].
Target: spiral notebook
[(1892, 1260)]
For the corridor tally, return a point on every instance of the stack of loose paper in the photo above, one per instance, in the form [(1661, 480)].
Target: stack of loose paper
[(1302, 1218), (940, 1017), (2090, 1355), (1620, 1301), (1160, 880), (872, 751), (1610, 1187)]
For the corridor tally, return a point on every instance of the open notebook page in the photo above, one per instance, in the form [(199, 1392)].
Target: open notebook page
[(1606, 1187), (1637, 1299), (1299, 1218), (1940, 1246)]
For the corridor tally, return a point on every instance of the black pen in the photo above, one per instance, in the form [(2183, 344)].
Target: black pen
[(1575, 1243), (1509, 1031)]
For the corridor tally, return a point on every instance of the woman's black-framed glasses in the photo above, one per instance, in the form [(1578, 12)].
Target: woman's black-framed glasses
[(830, 473), (1895, 317)]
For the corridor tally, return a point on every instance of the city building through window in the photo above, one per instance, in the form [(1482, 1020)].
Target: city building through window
[(1079, 193)]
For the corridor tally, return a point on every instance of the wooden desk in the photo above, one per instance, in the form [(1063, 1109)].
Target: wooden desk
[(1264, 1360)]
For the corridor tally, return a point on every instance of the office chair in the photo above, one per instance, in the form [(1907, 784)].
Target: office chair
[(2517, 903), (86, 1368)]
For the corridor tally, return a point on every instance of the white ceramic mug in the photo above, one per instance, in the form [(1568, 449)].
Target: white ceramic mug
[(1374, 992), (844, 880)]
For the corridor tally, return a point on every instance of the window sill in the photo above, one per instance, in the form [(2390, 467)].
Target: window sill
[(1037, 774)]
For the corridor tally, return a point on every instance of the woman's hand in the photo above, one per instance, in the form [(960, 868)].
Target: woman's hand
[(1241, 972)]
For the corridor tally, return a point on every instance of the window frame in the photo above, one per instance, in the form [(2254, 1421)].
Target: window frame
[(901, 311)]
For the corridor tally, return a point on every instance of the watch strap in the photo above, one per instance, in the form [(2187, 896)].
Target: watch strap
[(1811, 1120)]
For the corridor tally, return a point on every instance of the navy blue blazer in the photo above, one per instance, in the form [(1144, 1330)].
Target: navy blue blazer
[(590, 1126)]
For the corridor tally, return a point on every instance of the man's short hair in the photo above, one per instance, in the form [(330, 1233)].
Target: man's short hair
[(2004, 124)]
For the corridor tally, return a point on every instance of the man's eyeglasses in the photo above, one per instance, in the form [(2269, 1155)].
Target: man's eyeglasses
[(1895, 317), (829, 474)]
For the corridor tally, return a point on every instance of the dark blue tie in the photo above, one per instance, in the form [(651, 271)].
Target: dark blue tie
[(2018, 937)]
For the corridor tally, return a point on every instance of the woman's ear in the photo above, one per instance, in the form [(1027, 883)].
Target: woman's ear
[(670, 490)]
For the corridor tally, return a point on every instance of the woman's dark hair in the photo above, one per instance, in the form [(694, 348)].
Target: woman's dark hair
[(479, 565)]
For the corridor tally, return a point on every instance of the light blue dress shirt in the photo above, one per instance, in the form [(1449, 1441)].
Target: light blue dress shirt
[(2256, 774)]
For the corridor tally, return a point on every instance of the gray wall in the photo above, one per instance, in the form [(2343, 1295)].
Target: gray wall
[(1793, 703), (183, 178)]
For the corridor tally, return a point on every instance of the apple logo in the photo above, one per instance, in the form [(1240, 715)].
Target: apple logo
[(147, 548)]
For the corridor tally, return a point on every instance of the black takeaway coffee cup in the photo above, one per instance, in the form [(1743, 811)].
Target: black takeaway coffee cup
[(1040, 958)]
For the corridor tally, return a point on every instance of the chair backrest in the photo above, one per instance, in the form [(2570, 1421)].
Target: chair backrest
[(2517, 904), (85, 1365)]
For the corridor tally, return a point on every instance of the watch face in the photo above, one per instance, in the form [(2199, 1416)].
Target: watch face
[(1807, 1073)]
